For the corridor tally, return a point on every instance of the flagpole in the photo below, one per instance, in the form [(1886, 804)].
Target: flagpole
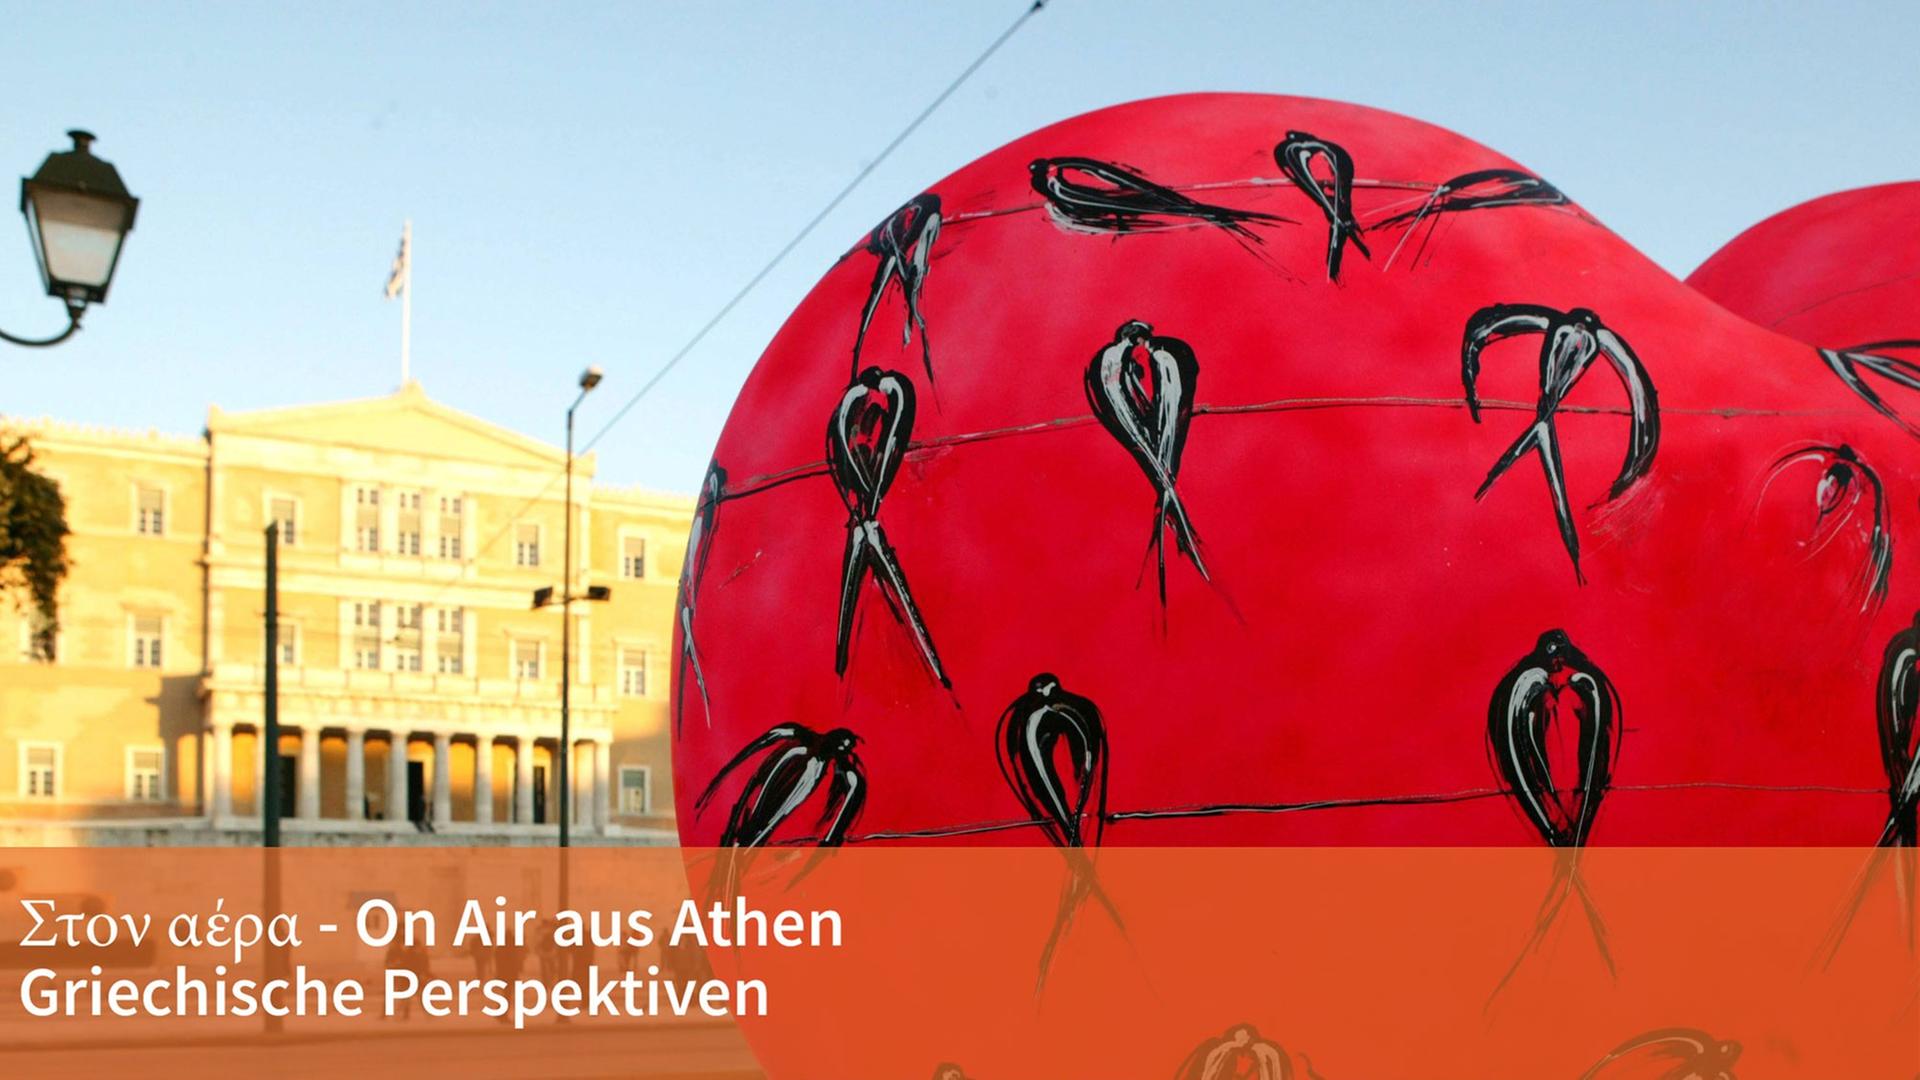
[(406, 305)]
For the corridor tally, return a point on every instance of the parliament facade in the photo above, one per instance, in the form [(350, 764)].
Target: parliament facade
[(419, 690)]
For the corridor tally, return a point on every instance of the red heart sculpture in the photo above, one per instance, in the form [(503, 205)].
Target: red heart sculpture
[(1497, 430)]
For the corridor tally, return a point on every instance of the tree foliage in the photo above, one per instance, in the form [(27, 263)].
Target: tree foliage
[(33, 539)]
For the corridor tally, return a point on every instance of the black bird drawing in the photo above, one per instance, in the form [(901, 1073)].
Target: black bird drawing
[(866, 439), (1684, 1054), (1295, 155), (1240, 1054), (1553, 686), (1897, 701), (1482, 189), (902, 247), (796, 761), (699, 545), (1072, 808), (1898, 704), (1570, 340), (1552, 689), (1099, 196), (1141, 389), (1845, 481), (1854, 364)]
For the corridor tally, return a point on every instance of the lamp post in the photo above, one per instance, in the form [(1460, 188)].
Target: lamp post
[(589, 379), (78, 215)]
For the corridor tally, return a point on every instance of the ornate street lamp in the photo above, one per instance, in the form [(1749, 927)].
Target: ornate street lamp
[(78, 214)]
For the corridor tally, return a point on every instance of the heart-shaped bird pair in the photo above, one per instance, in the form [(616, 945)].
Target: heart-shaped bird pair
[(1141, 389), (868, 436), (1900, 736), (1558, 782), (1045, 728)]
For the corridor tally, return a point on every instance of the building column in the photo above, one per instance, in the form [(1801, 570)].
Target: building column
[(218, 767), (523, 779), (396, 777), (261, 752), (483, 779), (442, 778), (356, 774), (602, 789), (581, 781), (308, 806)]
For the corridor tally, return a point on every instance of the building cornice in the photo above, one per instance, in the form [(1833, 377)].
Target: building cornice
[(52, 434)]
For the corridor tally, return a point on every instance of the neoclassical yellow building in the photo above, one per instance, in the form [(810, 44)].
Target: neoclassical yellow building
[(419, 688)]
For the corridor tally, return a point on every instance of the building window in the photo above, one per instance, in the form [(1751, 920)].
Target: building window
[(288, 641), (145, 766), (408, 525), (633, 672), (150, 510), (633, 556), (636, 789), (366, 519), (286, 514), (452, 522), (408, 638), (526, 545), (39, 770), (148, 630), (450, 640), (526, 659), (366, 635)]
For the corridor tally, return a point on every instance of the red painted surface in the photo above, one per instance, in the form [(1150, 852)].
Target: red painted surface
[(1363, 605), (1837, 271)]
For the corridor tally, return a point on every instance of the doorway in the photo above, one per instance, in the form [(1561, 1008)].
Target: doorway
[(416, 791), (539, 794), (289, 780)]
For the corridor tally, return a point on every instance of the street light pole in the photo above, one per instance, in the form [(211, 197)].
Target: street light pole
[(566, 641), (270, 796), (588, 380)]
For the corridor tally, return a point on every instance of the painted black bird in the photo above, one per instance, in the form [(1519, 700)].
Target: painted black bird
[(1295, 155), (1071, 809), (1240, 1054), (1846, 480), (867, 437), (1570, 340), (1683, 1053), (1031, 731), (796, 761), (1897, 700), (699, 546), (1099, 196), (902, 247), (1482, 189), (1141, 389), (1552, 688), (1898, 703), (1852, 365)]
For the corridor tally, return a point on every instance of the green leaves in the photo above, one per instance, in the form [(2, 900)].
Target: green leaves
[(33, 539)]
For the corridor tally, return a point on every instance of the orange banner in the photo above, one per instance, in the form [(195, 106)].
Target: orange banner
[(989, 964)]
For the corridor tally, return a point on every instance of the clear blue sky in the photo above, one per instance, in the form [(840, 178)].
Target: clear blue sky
[(589, 183)]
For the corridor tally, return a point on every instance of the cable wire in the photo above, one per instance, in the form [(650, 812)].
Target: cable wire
[(754, 282), (807, 229)]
